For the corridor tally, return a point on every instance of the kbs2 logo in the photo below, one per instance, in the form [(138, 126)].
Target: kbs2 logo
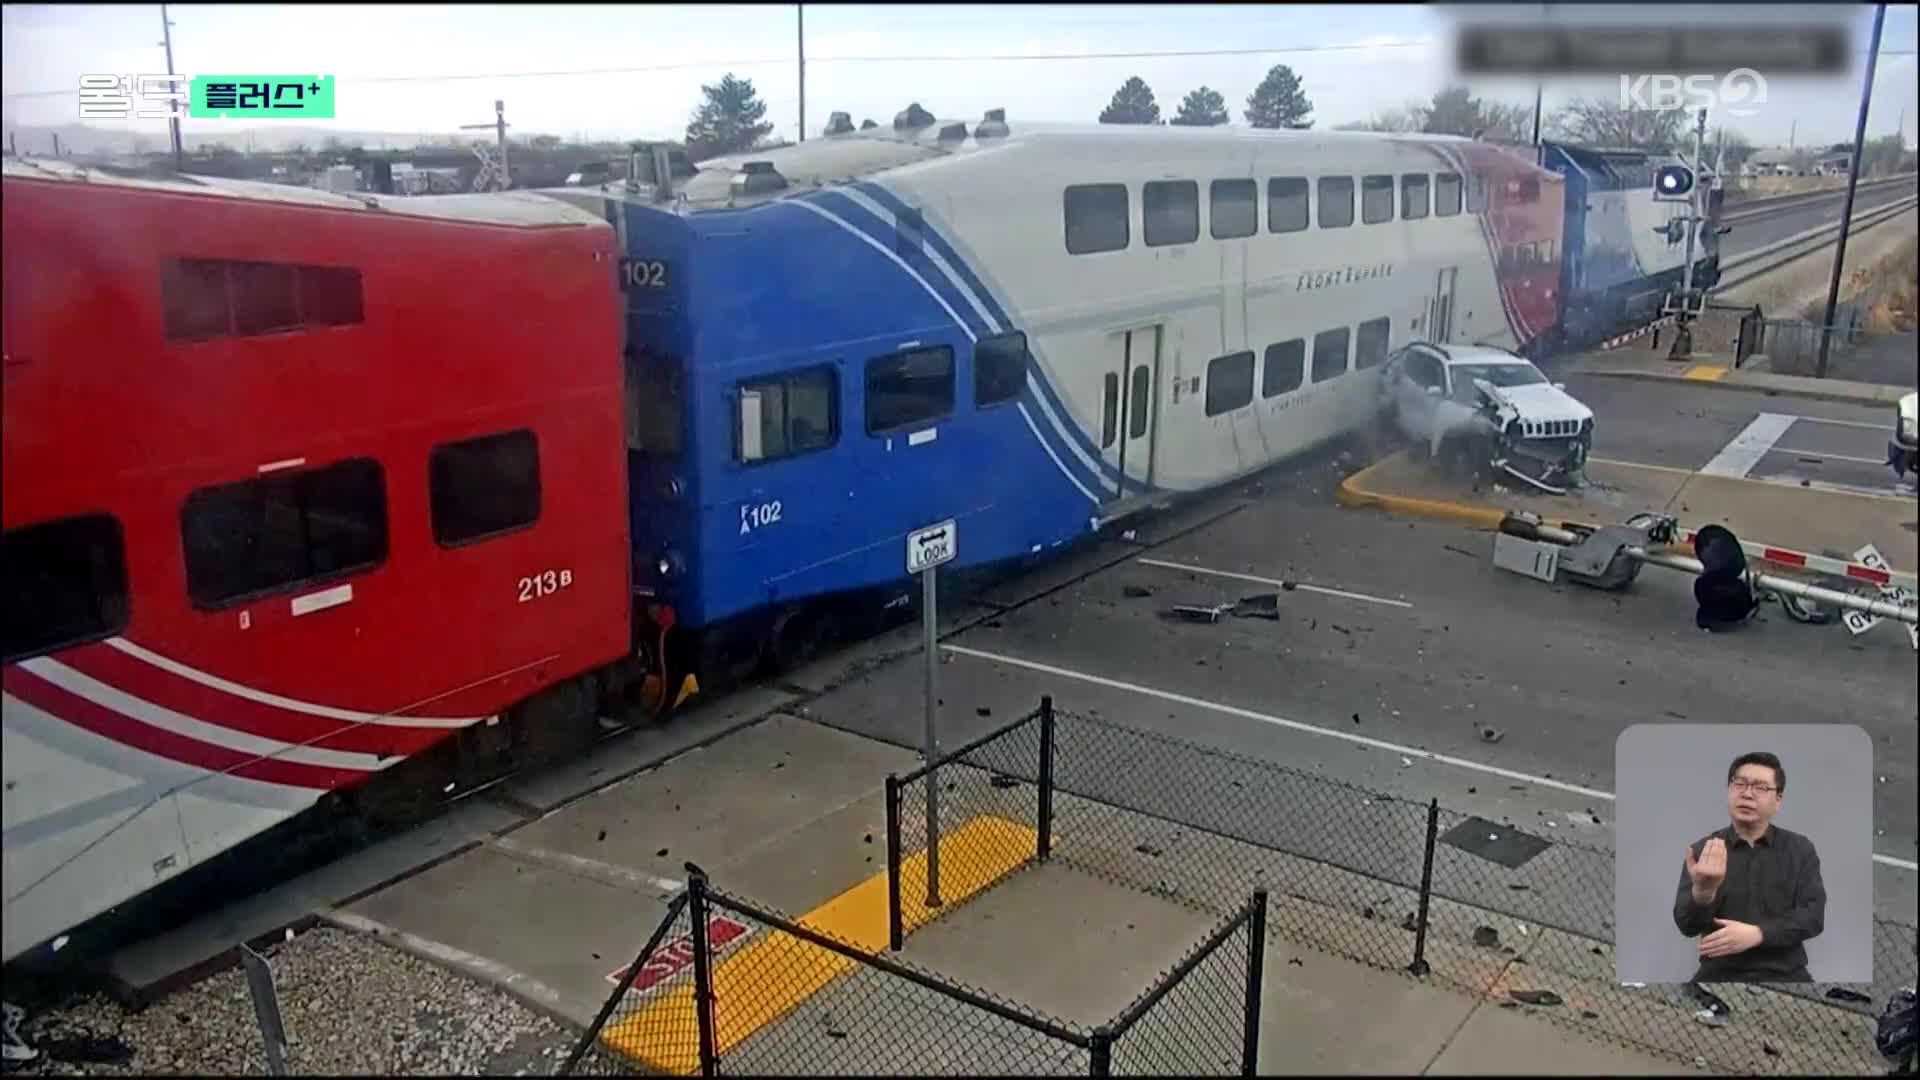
[(1739, 92)]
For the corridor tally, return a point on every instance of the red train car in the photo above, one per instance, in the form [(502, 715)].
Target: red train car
[(297, 485)]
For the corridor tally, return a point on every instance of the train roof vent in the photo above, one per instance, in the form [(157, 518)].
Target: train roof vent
[(757, 178), (912, 117), (994, 126), (953, 133), (839, 123)]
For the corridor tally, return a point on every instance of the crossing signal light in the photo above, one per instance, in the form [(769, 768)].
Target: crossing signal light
[(1672, 183)]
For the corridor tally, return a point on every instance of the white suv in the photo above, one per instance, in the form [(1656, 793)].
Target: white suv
[(1491, 406)]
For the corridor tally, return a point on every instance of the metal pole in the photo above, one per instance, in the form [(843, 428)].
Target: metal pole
[(1419, 965), (1256, 965), (932, 779), (702, 972), (1538, 83), (173, 122), (1683, 334), (800, 14), (894, 917), (1046, 777), (500, 132), (1853, 180)]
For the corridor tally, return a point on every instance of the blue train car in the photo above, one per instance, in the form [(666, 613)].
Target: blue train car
[(1624, 252)]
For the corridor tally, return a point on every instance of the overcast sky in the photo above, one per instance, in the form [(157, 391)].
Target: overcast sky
[(396, 66)]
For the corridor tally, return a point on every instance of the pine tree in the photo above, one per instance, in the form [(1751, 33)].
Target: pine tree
[(1202, 108), (728, 121), (1278, 101), (1132, 104)]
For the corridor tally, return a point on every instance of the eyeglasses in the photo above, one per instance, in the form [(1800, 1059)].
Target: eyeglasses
[(1758, 787)]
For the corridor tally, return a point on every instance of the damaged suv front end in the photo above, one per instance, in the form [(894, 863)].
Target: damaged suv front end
[(1538, 434)]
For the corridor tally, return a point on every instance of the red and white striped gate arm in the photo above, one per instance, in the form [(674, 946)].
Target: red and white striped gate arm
[(1820, 563)]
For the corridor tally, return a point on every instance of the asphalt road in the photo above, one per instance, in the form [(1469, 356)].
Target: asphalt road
[(1421, 644), (1799, 217), (1681, 426)]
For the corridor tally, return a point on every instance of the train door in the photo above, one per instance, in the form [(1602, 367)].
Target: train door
[(1129, 391), (1440, 313)]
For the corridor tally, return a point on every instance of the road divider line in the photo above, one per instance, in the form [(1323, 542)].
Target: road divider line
[(1353, 493), (597, 870), (1848, 423), (775, 972), (1310, 729), (1617, 463), (1737, 458), (1276, 582)]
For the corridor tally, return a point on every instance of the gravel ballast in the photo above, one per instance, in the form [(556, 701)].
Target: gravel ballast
[(351, 1006)]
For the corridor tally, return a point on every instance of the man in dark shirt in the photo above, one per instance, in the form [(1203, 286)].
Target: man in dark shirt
[(1751, 892)]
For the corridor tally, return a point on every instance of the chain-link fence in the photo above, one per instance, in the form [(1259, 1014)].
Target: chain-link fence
[(1487, 908), (725, 986), (994, 817)]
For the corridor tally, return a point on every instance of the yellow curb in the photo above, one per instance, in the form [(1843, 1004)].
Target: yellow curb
[(1351, 493)]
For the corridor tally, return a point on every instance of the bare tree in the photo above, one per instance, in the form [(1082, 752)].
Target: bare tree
[(1600, 123)]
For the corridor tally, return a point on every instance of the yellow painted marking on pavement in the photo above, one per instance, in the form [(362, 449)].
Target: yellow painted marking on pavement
[(1707, 372), (775, 971)]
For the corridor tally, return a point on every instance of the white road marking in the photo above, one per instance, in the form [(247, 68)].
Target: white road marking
[(1277, 583), (596, 869), (1638, 465), (1847, 423), (1738, 457), (1314, 729)]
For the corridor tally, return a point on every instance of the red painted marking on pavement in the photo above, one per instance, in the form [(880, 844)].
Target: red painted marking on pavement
[(673, 956)]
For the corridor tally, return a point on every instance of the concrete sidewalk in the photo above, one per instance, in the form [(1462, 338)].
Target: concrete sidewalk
[(789, 814), (1712, 369)]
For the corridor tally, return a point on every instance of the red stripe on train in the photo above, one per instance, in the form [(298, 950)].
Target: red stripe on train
[(216, 706), (140, 735)]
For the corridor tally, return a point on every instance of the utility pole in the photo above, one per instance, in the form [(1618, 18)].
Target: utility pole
[(1683, 333), (1539, 82), (173, 122), (1853, 180), (499, 127), (800, 11)]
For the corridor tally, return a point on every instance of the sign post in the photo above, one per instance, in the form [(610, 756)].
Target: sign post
[(266, 1009), (926, 549)]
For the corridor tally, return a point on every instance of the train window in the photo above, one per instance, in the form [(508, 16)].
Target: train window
[(1476, 193), (1109, 409), (1446, 194), (786, 414), (1235, 209), (1329, 354), (264, 300), (1413, 196), (653, 404), (1376, 199), (193, 300), (909, 387), (1286, 204), (1139, 403), (1229, 382), (999, 368), (483, 487), (1285, 368), (283, 530), (201, 299), (330, 296), (66, 583), (1170, 212), (1370, 343), (1336, 202), (1096, 216)]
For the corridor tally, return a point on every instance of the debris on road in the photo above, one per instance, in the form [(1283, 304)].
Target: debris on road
[(1535, 997), (1149, 849), (1135, 592), (1489, 734), (1486, 937)]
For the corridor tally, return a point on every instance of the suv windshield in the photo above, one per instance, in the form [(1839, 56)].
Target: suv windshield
[(1497, 374)]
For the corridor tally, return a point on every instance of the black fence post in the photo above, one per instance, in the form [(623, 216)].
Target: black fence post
[(1419, 965), (1046, 776), (1100, 1052), (1256, 966), (895, 931), (702, 969)]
